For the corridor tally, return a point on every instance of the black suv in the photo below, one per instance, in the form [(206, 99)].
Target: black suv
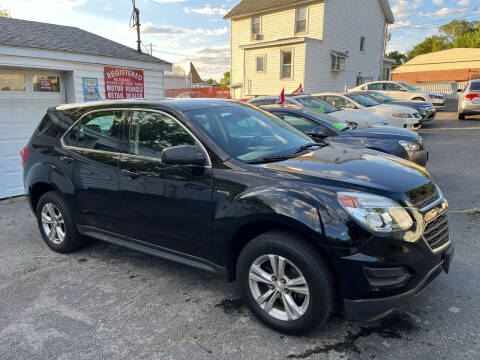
[(229, 188)]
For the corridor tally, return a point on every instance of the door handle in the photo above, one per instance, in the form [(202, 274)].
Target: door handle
[(66, 159), (132, 174)]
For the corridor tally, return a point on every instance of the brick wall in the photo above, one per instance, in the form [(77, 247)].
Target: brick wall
[(457, 75)]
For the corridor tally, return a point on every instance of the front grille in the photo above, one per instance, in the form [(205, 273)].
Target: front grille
[(436, 232), (426, 197)]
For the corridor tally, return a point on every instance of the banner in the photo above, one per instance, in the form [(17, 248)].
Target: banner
[(123, 83), (90, 89)]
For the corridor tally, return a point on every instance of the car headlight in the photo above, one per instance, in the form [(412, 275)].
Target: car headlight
[(402, 115), (379, 213), (410, 145)]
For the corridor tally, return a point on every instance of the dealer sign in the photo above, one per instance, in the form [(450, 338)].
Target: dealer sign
[(123, 83)]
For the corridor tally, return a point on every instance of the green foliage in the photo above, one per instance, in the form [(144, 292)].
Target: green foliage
[(398, 56), (4, 13), (455, 34), (225, 81), (212, 82)]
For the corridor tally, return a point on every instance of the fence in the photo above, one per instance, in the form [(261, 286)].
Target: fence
[(447, 88), (208, 92)]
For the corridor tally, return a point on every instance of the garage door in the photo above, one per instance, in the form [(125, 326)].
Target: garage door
[(24, 98)]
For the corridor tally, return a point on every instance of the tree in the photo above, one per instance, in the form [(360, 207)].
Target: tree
[(225, 81), (212, 82), (398, 56), (455, 34), (4, 13)]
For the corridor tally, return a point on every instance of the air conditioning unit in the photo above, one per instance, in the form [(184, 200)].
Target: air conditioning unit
[(258, 36)]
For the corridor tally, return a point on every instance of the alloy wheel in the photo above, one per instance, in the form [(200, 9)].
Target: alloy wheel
[(53, 223), (279, 287)]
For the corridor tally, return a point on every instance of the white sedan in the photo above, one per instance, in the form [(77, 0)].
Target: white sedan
[(311, 102), (398, 116)]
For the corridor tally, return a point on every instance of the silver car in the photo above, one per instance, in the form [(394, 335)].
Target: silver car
[(469, 99)]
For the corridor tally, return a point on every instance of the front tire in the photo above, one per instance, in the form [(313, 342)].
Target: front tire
[(56, 224), (286, 282)]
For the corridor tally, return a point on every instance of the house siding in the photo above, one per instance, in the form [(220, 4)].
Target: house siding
[(275, 26), (344, 26)]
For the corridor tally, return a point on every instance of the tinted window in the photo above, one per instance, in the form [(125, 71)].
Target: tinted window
[(379, 97), (316, 104), (336, 101), (300, 122), (475, 86), (97, 131), (392, 87), (362, 100), (151, 132), (247, 133), (376, 86)]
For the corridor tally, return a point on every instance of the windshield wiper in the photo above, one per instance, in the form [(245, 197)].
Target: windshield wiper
[(308, 146), (269, 159)]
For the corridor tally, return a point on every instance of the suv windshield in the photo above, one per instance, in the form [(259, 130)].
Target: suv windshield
[(408, 86), (362, 100), (379, 97), (247, 133), (316, 104)]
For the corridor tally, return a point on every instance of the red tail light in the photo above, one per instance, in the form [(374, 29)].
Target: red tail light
[(24, 155), (471, 96)]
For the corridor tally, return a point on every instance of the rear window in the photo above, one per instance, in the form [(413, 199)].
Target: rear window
[(475, 86)]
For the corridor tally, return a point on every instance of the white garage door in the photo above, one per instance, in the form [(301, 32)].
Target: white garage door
[(24, 98)]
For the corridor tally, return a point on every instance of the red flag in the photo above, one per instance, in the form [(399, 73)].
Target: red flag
[(282, 97), (299, 90)]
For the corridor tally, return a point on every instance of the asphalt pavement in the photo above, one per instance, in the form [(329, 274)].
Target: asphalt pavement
[(106, 302)]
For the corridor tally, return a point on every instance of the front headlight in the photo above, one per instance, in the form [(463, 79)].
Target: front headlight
[(404, 116), (410, 145), (379, 213)]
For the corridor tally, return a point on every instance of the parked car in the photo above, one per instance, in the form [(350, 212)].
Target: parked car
[(399, 142), (398, 116), (469, 100), (403, 91), (230, 188), (316, 104), (424, 108)]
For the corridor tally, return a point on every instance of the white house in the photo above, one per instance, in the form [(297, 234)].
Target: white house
[(178, 78), (43, 65), (323, 44)]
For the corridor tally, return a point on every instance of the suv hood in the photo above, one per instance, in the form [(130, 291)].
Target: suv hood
[(340, 166)]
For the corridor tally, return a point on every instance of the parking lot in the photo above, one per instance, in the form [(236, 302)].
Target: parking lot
[(106, 302)]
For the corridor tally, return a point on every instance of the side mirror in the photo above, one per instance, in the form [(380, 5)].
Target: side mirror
[(183, 155), (319, 132), (402, 89), (459, 90), (350, 106)]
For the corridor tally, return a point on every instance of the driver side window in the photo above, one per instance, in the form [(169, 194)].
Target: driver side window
[(376, 86), (151, 132), (392, 87)]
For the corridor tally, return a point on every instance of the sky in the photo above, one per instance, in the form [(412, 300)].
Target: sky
[(181, 31)]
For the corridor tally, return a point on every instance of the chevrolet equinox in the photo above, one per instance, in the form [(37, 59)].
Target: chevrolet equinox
[(226, 187)]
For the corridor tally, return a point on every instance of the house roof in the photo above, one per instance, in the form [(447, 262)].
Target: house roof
[(196, 79), (31, 34), (247, 7)]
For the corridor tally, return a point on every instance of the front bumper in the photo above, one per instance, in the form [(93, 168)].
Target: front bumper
[(373, 309), (428, 115)]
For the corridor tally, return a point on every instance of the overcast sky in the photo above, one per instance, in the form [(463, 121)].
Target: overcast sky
[(184, 30)]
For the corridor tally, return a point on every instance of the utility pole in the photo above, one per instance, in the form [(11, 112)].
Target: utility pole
[(135, 22)]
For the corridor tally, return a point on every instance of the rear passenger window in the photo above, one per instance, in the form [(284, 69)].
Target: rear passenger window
[(376, 86), (96, 131)]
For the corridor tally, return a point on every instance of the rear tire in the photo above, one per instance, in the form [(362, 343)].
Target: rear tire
[(461, 116), (291, 280), (56, 224)]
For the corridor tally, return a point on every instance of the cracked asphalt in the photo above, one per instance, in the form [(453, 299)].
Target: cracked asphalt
[(106, 302)]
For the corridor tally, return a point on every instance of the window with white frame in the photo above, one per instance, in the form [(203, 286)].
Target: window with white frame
[(301, 15), (261, 63), (256, 26), (338, 63), (286, 64), (362, 43)]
